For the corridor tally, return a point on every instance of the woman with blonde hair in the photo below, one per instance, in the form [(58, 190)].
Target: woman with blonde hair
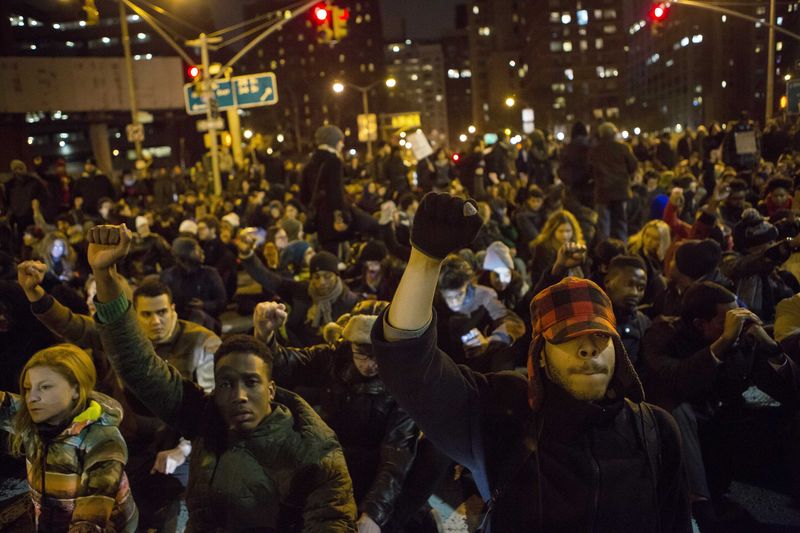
[(69, 436), (59, 256), (652, 243), (561, 227)]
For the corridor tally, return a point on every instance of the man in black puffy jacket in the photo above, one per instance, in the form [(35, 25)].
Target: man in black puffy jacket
[(379, 438)]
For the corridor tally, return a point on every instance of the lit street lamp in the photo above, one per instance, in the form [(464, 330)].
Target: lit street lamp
[(338, 87), (510, 102)]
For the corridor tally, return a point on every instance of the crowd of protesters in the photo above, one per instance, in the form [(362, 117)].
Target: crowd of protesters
[(670, 262)]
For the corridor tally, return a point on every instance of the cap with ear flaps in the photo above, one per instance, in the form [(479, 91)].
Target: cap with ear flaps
[(567, 310)]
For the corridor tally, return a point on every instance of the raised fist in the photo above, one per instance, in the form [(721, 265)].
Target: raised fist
[(30, 274), (267, 317), (107, 245), (444, 224)]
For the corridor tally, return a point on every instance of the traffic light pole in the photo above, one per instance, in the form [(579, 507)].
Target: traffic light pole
[(770, 64), (126, 46), (210, 98), (365, 104)]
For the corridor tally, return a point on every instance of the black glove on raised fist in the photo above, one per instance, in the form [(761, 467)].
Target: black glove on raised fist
[(444, 224)]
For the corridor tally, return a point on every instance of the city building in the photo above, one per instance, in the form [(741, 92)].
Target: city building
[(307, 69), (698, 66), (419, 69), (458, 82), (573, 63), (39, 28), (497, 36)]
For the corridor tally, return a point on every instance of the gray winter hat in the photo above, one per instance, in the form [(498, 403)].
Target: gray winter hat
[(328, 135)]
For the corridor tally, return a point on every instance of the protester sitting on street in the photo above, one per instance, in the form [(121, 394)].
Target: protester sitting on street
[(378, 438), (537, 448), (69, 436), (314, 303), (697, 365), (197, 289), (561, 227), (262, 458)]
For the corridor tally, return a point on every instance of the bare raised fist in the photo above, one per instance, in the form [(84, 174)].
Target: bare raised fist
[(267, 317), (30, 274), (107, 245)]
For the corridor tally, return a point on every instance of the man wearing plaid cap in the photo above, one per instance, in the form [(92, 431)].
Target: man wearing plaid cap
[(573, 447)]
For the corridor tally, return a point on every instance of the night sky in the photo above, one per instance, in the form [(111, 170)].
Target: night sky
[(425, 19)]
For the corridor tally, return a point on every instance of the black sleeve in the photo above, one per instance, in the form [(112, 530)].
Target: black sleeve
[(673, 489)]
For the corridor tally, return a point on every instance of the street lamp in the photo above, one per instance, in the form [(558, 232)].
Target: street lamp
[(338, 87), (510, 102)]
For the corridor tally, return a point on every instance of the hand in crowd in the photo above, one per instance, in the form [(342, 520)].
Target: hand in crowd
[(676, 197), (30, 275), (367, 525), (476, 345), (570, 255), (107, 245), (268, 317), (168, 460), (388, 210), (444, 224), (36, 206), (735, 320)]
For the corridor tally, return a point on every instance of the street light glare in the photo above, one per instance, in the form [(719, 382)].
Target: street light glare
[(391, 83), (510, 102), (338, 87), (248, 134)]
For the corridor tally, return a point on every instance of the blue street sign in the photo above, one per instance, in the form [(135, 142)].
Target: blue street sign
[(254, 90), (193, 97)]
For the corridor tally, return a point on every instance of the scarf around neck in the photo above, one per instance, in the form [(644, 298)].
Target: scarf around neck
[(321, 310)]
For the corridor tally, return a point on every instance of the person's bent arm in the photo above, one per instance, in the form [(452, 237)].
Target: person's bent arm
[(177, 401)]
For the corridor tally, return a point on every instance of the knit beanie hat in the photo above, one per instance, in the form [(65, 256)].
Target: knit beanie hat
[(324, 261), (696, 258), (498, 256), (188, 226), (328, 135), (292, 228), (569, 309), (373, 251), (752, 230)]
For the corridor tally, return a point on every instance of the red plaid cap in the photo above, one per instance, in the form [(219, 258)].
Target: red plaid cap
[(570, 308)]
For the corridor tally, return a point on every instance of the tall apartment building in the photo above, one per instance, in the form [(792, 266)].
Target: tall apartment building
[(419, 69), (699, 66), (306, 71)]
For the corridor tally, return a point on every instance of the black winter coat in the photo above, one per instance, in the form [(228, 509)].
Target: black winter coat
[(325, 173), (379, 438), (591, 471)]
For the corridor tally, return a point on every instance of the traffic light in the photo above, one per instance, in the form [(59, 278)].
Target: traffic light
[(658, 12), (194, 72), (658, 17), (339, 20), (321, 15), (92, 14)]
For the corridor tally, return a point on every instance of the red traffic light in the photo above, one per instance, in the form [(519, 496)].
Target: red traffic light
[(321, 13), (456, 157), (193, 71), (658, 12)]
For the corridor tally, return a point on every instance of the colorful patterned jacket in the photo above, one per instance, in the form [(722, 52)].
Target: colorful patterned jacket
[(82, 486)]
